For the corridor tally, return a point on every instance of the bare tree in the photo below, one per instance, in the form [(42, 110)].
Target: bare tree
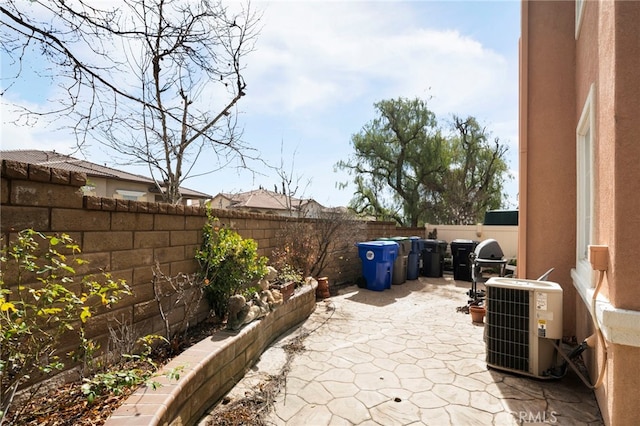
[(310, 246), (178, 297), (158, 81), (291, 184)]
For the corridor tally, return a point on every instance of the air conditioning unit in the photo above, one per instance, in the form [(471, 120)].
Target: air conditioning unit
[(523, 318)]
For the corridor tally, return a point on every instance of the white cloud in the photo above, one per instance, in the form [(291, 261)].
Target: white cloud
[(318, 68), (315, 55), (18, 133)]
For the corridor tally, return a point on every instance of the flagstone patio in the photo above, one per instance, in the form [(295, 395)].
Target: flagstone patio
[(406, 356)]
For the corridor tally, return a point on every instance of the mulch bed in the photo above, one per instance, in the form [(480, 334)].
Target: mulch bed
[(67, 405)]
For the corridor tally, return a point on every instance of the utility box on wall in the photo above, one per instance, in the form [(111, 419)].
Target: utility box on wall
[(501, 217)]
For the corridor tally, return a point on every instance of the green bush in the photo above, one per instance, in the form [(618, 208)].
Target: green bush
[(40, 301), (230, 264)]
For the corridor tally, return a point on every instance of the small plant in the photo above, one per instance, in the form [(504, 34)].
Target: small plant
[(286, 271), (290, 274), (40, 301), (116, 380), (182, 293), (111, 381), (230, 264)]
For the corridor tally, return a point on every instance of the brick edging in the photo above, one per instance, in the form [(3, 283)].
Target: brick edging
[(210, 368)]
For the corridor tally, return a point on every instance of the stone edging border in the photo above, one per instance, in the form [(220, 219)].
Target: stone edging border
[(210, 368)]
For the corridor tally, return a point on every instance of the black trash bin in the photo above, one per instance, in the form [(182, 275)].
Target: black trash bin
[(443, 251), (431, 263), (460, 251), (414, 264)]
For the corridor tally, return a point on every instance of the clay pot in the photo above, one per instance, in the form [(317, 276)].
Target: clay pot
[(287, 290), (477, 313), (322, 292)]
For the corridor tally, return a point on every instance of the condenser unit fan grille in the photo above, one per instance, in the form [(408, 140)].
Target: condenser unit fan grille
[(508, 328)]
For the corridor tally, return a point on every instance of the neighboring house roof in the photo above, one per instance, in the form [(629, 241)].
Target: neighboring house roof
[(264, 199), (60, 161)]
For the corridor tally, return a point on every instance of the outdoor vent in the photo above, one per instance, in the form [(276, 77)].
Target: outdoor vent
[(523, 318)]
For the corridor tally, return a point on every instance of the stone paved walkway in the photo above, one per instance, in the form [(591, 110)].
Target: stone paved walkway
[(406, 357)]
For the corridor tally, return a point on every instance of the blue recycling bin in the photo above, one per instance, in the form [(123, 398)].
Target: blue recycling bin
[(377, 263), (413, 263)]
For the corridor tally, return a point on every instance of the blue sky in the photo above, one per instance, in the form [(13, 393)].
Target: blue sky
[(317, 70)]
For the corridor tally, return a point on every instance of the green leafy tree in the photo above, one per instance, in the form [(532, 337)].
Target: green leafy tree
[(406, 170), (398, 156), (474, 180)]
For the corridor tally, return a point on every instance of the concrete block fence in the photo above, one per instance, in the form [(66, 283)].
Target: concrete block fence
[(127, 238)]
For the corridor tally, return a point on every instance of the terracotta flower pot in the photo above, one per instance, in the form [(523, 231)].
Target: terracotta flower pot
[(477, 313), (286, 289), (322, 291)]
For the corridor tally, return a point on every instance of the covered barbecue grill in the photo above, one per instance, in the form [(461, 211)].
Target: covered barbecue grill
[(487, 260)]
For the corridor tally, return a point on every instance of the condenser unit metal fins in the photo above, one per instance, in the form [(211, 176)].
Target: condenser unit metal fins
[(508, 328)]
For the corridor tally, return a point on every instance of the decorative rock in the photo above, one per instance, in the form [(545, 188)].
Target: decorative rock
[(242, 312)]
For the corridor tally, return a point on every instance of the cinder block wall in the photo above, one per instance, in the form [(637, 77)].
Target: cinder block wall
[(123, 237), (127, 238)]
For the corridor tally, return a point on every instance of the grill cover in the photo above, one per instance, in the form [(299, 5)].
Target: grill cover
[(488, 250), (487, 254)]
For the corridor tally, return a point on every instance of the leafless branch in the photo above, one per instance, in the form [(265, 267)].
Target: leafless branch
[(158, 81)]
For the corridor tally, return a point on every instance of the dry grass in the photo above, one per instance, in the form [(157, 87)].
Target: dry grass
[(252, 409)]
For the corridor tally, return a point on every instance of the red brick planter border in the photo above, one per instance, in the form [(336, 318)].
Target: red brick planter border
[(210, 368)]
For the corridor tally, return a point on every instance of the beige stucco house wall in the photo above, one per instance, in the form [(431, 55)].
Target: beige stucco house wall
[(269, 202), (103, 181), (118, 189), (580, 176)]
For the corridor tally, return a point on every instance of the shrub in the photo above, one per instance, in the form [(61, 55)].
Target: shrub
[(286, 272), (230, 264), (116, 380), (310, 246), (39, 303)]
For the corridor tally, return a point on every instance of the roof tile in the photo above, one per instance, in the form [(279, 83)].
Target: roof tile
[(56, 160)]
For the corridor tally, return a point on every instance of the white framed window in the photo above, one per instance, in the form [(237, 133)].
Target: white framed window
[(579, 13), (88, 190), (584, 195), (130, 195)]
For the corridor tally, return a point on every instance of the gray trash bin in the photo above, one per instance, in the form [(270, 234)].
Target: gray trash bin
[(402, 261)]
